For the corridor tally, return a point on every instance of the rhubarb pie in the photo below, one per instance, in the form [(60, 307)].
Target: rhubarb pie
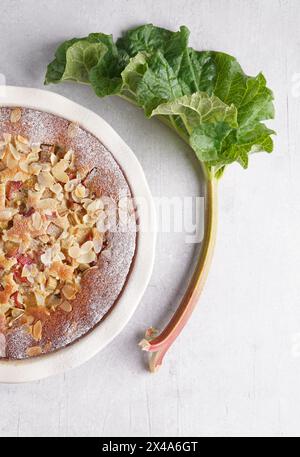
[(67, 232)]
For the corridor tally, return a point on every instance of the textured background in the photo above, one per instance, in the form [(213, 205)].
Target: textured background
[(236, 368)]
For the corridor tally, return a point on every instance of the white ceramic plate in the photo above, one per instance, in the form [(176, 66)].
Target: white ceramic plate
[(89, 345)]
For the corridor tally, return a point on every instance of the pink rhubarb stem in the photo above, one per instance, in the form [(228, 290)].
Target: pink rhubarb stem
[(159, 345)]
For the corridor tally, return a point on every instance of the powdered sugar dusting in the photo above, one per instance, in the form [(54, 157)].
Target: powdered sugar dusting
[(102, 285)]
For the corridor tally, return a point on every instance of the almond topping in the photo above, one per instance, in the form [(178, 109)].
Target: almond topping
[(6, 214), (37, 331), (73, 130), (87, 258), (47, 257), (45, 179), (86, 247), (34, 351), (49, 235), (66, 306), (15, 115), (14, 152), (74, 252), (36, 221), (69, 291), (58, 171), (51, 283)]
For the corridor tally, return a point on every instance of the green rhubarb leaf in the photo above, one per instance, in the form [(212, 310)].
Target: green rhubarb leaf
[(156, 80), (158, 85), (146, 38), (56, 68), (219, 145), (207, 141), (81, 57), (105, 77), (134, 72), (197, 109), (213, 130), (94, 59), (205, 96), (220, 74)]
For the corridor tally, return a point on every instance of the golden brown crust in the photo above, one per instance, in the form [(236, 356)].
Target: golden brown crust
[(102, 284)]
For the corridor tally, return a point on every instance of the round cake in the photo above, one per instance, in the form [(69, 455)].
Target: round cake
[(67, 232)]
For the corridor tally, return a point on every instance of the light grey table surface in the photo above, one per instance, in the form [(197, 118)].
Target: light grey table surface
[(235, 369)]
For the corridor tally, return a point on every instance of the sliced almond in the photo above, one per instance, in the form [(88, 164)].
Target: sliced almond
[(95, 205), (22, 139), (36, 220), (69, 291), (7, 214), (56, 188), (81, 192), (98, 245), (45, 179), (59, 169), (34, 351), (21, 176), (69, 155), (102, 222), (47, 257), (40, 298), (37, 331), (14, 152), (86, 247), (53, 159), (73, 130), (34, 168), (51, 283), (87, 258), (11, 162), (21, 147), (71, 185), (47, 203), (66, 306), (74, 252), (15, 115)]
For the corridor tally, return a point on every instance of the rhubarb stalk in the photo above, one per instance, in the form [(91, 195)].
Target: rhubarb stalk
[(159, 345)]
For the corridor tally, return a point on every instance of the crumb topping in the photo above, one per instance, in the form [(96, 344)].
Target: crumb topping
[(51, 229)]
